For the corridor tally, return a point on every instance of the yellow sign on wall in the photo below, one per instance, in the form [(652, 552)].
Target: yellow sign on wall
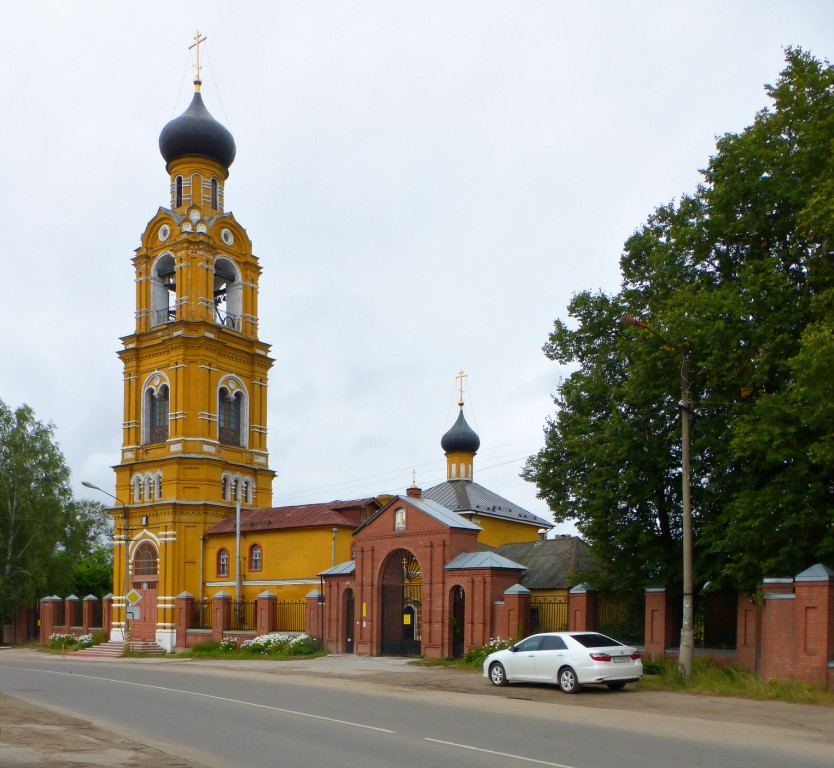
[(406, 618)]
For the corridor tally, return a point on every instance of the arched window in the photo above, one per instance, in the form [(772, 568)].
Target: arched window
[(138, 487), (229, 411), (144, 560), (156, 414), (214, 196), (227, 488), (223, 562), (178, 192), (247, 491), (158, 485), (255, 558)]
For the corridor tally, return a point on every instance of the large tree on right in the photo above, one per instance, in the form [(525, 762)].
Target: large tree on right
[(739, 276)]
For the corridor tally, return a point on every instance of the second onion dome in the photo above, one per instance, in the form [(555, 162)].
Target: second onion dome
[(461, 438)]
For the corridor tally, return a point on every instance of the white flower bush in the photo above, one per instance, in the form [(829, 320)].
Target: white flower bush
[(279, 644), (58, 639), (228, 644)]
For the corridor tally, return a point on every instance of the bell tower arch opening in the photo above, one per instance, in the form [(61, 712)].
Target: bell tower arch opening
[(228, 294), (163, 290)]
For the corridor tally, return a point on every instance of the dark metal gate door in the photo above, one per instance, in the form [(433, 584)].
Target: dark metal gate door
[(402, 587), (349, 628), (458, 618)]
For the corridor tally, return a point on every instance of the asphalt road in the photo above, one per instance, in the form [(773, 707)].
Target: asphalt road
[(344, 711)]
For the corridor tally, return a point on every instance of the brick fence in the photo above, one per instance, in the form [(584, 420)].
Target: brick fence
[(784, 631)]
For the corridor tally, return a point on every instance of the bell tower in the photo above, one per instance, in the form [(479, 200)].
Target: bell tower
[(195, 380)]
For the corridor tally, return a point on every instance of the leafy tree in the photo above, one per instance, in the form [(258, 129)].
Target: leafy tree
[(44, 533), (93, 573), (34, 500), (738, 275)]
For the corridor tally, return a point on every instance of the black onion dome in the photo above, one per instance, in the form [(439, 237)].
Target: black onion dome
[(196, 132), (461, 438)]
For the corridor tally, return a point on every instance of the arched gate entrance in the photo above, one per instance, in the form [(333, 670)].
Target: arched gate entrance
[(402, 587)]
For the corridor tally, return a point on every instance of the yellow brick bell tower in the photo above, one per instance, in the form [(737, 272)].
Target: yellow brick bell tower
[(195, 381)]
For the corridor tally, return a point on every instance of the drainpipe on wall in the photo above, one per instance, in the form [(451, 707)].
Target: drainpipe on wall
[(202, 573), (237, 548)]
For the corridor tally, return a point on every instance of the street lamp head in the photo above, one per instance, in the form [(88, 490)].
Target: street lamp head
[(88, 484), (631, 320)]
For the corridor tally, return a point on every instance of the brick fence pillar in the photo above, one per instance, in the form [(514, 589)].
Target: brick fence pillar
[(71, 604), (517, 612), (48, 612), (658, 623), (265, 612), (778, 630), (582, 609), (88, 612), (314, 614), (107, 615), (814, 615), (183, 612), (220, 615)]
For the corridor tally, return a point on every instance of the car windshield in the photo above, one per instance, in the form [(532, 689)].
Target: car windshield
[(594, 640)]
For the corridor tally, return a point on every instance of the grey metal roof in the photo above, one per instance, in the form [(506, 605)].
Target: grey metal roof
[(343, 569), (441, 513), (483, 560), (818, 572), (467, 496), (551, 564), (434, 510)]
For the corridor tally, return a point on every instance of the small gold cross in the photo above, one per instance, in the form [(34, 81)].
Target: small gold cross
[(196, 44)]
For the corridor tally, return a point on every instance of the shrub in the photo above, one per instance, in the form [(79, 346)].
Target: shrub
[(58, 639), (281, 645), (475, 656), (206, 648), (228, 645)]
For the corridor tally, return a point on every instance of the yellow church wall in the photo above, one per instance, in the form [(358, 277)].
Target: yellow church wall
[(292, 558), (495, 532)]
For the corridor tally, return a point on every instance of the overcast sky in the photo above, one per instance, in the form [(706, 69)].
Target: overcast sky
[(426, 185)]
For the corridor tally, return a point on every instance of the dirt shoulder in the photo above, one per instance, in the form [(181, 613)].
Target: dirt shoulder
[(34, 735), (31, 735)]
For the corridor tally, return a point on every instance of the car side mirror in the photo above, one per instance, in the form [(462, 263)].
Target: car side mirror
[(512, 648)]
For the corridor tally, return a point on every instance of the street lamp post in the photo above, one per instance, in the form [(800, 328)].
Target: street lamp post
[(686, 654), (125, 532)]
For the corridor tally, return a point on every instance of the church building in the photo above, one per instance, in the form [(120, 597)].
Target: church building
[(403, 574)]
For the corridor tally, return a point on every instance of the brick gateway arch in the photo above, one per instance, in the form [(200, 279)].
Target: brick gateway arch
[(418, 586)]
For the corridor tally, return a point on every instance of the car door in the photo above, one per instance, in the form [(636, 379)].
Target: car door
[(550, 657), (522, 662)]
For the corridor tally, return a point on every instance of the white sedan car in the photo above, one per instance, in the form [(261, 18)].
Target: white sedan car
[(567, 659)]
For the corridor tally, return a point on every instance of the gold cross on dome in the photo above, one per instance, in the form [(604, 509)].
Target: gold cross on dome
[(461, 376), (198, 38)]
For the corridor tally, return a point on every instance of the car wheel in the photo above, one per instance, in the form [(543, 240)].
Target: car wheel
[(618, 686), (567, 680), (497, 675)]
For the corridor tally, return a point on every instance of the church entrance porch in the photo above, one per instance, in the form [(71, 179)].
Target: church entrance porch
[(402, 588), (144, 628)]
